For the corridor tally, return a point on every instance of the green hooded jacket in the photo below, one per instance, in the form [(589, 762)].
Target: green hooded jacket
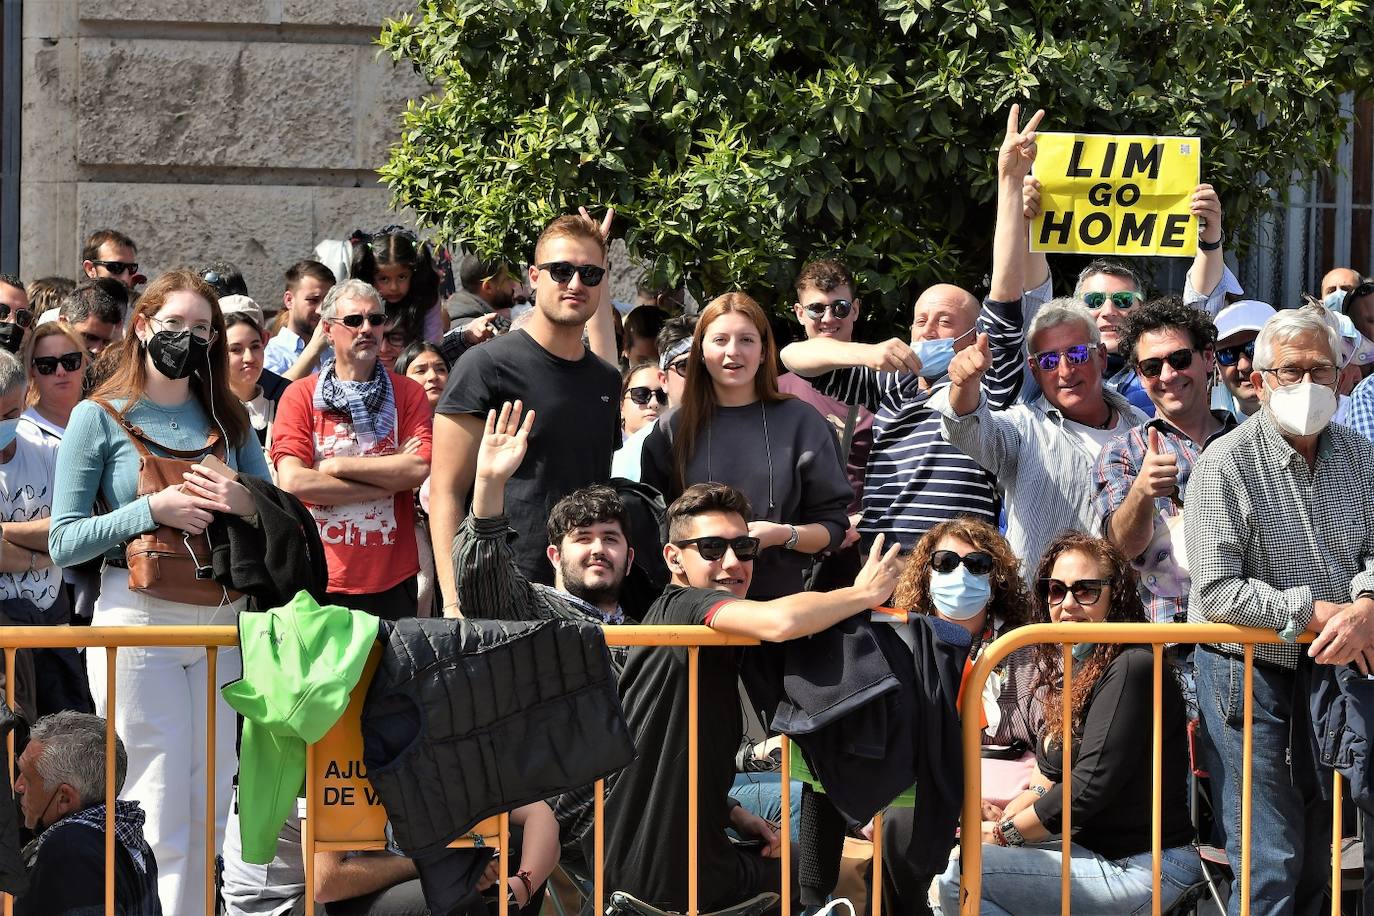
[(301, 662)]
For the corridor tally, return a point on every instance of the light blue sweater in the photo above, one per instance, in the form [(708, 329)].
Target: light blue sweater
[(97, 458)]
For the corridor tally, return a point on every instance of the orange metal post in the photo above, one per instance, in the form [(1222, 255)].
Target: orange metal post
[(599, 847), (9, 700), (786, 824), (878, 864), (1157, 777), (1067, 764), (1246, 781), (110, 705), (312, 792), (693, 667), (1337, 790), (502, 887)]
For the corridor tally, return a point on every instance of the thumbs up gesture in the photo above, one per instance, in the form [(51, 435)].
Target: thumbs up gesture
[(1158, 477), (969, 364)]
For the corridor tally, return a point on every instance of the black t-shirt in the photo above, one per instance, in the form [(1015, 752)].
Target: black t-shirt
[(646, 808), (576, 430)]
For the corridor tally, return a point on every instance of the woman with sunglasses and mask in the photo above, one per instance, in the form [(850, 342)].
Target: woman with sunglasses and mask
[(170, 378), (735, 427), (963, 572), (1083, 579)]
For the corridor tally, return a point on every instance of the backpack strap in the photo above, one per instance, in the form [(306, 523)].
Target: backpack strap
[(141, 441)]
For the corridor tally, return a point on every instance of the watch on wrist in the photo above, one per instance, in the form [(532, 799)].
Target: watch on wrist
[(1012, 835), (792, 541), (1210, 246)]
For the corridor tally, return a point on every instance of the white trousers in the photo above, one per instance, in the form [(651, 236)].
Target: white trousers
[(160, 714)]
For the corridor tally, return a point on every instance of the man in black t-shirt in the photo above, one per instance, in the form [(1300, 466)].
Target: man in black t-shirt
[(546, 367), (710, 557)]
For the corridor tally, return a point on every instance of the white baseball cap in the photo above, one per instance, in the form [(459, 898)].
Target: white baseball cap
[(1245, 315)]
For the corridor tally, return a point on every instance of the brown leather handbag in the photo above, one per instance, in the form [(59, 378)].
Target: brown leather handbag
[(169, 563)]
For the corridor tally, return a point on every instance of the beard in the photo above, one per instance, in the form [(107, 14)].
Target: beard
[(575, 584)]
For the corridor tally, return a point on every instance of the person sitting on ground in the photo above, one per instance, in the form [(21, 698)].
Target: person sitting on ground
[(61, 788), (964, 572), (1082, 579), (710, 556)]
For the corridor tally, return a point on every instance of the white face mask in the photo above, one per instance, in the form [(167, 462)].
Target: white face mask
[(1303, 409)]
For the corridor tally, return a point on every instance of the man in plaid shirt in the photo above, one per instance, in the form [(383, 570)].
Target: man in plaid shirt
[(1142, 475), (1280, 526)]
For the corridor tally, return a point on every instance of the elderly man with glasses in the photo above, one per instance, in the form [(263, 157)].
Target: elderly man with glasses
[(1280, 525)]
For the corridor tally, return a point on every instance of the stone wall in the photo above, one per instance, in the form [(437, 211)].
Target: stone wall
[(244, 131)]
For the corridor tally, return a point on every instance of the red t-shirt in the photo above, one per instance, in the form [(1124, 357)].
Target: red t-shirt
[(368, 546)]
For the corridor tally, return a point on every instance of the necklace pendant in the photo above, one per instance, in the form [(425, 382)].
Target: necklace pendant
[(173, 424)]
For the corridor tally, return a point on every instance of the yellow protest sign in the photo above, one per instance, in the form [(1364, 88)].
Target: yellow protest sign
[(1103, 194)]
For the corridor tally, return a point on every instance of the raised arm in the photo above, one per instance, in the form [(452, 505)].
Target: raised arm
[(810, 358), (1014, 161), (1208, 265), (456, 437), (601, 327)]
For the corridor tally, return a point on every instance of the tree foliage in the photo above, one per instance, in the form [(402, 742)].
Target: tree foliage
[(739, 137)]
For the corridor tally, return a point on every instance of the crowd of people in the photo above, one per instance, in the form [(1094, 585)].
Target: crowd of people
[(472, 439)]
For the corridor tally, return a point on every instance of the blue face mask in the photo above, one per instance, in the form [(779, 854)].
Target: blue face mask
[(8, 430), (936, 355), (960, 595), (1082, 650), (1334, 300)]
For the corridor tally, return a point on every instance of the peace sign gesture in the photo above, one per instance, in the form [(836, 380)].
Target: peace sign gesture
[(1017, 153)]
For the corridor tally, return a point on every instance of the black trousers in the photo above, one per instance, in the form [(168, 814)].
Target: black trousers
[(396, 602)]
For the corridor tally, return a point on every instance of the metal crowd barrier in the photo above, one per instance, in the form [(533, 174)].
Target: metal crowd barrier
[(1156, 635)]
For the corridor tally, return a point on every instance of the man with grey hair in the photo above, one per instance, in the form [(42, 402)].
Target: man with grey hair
[(61, 788), (353, 442), (1280, 531), (1041, 453)]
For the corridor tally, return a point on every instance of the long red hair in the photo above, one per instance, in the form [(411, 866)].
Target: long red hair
[(699, 391), (128, 376)]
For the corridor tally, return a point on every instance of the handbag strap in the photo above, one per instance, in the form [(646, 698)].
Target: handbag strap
[(141, 440)]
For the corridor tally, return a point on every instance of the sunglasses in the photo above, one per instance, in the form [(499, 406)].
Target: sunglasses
[(1048, 361), (118, 267), (1122, 300), (840, 308), (562, 272), (1229, 356), (1152, 367), (22, 317), (713, 548), (1085, 591), (977, 562), (47, 365), (376, 319), (642, 394), (679, 366)]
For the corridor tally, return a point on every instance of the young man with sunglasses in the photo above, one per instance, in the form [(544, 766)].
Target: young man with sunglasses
[(1237, 327), (110, 253), (710, 558), (545, 365), (353, 442), (1142, 475), (15, 315)]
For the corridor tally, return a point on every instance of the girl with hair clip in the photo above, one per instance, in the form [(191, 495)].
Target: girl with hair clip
[(403, 271), (1084, 579), (169, 379), (736, 427)]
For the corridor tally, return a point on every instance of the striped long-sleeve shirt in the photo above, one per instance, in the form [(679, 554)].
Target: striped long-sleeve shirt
[(916, 478)]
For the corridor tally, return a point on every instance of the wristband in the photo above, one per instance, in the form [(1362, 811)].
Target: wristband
[(997, 835), (1210, 246), (1010, 834), (1041, 791), (792, 541)]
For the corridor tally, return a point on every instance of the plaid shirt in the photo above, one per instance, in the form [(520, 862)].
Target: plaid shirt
[(1359, 410), (1267, 535), (1119, 465)]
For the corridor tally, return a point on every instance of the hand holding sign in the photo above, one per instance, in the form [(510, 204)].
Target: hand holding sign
[(1017, 154), (1206, 206), (1158, 477), (1030, 197)]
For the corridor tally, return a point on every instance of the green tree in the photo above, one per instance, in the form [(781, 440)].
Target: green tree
[(739, 137)]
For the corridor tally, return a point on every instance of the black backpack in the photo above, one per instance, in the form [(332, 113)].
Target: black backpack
[(648, 576)]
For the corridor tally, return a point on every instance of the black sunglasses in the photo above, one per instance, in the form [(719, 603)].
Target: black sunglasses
[(118, 267), (1152, 367), (376, 319), (840, 308), (47, 365), (1048, 361), (562, 272), (1229, 356), (977, 562), (1085, 591), (713, 548), (679, 366), (642, 394), (1122, 300), (22, 317)]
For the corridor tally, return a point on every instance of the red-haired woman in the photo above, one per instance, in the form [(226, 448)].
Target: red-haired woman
[(736, 427), (169, 378)]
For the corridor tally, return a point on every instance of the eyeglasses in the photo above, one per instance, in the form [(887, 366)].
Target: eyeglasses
[(118, 267), (1122, 300), (375, 319), (1291, 375), (977, 562), (713, 548), (1229, 356), (1152, 367), (1048, 361), (47, 365), (22, 317), (562, 272), (840, 308), (202, 332), (1086, 592), (679, 366), (642, 394)]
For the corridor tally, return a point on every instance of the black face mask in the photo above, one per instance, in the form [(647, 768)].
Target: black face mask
[(177, 354), (11, 337)]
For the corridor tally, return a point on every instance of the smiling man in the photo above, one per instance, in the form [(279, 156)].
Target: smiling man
[(546, 366)]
